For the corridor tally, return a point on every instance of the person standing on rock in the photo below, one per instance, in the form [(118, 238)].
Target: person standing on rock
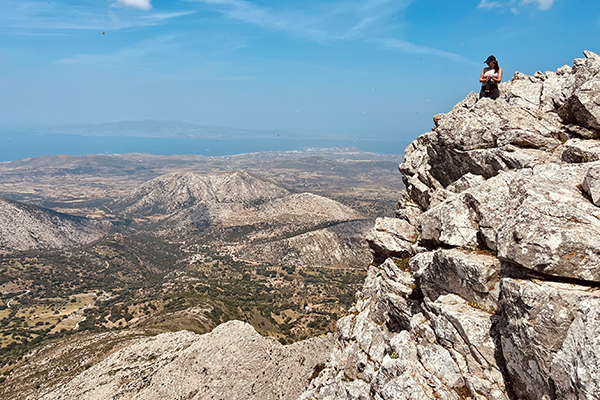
[(490, 77)]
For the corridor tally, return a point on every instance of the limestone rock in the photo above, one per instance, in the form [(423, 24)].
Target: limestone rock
[(583, 106), (581, 151), (551, 339), (591, 184), (469, 274), (537, 218), (523, 128), (233, 361), (396, 346), (392, 237)]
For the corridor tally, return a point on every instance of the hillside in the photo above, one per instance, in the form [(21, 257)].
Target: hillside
[(232, 360), (249, 218), (27, 227)]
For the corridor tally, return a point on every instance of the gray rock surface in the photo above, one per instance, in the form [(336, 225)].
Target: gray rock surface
[(551, 339), (535, 217), (526, 126), (231, 362), (395, 346), (591, 184), (580, 151), (28, 227), (469, 274), (392, 237)]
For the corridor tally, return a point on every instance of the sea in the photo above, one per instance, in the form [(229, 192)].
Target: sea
[(19, 145)]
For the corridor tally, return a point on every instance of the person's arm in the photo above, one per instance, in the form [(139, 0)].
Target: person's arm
[(481, 77), (499, 79)]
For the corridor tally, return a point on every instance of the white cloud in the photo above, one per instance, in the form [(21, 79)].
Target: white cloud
[(141, 4), (513, 5), (542, 4)]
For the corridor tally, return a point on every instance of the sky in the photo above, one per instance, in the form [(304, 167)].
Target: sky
[(368, 69)]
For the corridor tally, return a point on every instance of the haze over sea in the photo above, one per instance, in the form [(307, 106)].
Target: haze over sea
[(18, 145)]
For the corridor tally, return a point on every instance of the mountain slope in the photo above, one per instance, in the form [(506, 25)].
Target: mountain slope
[(27, 227), (233, 361), (238, 204), (177, 191)]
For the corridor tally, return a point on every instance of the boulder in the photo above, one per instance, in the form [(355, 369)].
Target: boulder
[(583, 107), (392, 237), (473, 275), (581, 151)]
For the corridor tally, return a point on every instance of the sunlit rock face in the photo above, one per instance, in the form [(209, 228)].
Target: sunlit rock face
[(486, 286), (27, 227), (233, 361)]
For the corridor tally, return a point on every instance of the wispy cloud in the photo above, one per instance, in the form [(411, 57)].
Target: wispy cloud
[(411, 48), (515, 5), (32, 15), (351, 20)]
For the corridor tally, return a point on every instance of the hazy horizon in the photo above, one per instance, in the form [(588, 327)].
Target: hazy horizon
[(345, 69)]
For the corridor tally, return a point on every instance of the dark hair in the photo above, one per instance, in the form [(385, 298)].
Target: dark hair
[(496, 67)]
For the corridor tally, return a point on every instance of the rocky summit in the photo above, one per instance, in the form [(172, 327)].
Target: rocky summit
[(486, 285)]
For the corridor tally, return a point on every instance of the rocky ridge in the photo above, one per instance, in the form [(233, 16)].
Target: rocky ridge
[(486, 285), (29, 227), (233, 361)]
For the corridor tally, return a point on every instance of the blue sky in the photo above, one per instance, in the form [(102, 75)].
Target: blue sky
[(369, 69)]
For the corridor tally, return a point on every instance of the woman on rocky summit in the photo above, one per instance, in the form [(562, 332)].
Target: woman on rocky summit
[(490, 77)]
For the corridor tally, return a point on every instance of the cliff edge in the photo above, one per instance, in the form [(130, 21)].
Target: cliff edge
[(486, 284)]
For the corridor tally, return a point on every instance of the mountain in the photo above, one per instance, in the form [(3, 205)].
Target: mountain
[(175, 192), (28, 227), (250, 218), (486, 283)]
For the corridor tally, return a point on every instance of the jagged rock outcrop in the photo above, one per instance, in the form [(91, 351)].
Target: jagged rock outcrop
[(231, 362), (501, 223), (28, 227)]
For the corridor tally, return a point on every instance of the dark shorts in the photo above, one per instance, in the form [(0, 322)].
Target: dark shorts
[(489, 90)]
